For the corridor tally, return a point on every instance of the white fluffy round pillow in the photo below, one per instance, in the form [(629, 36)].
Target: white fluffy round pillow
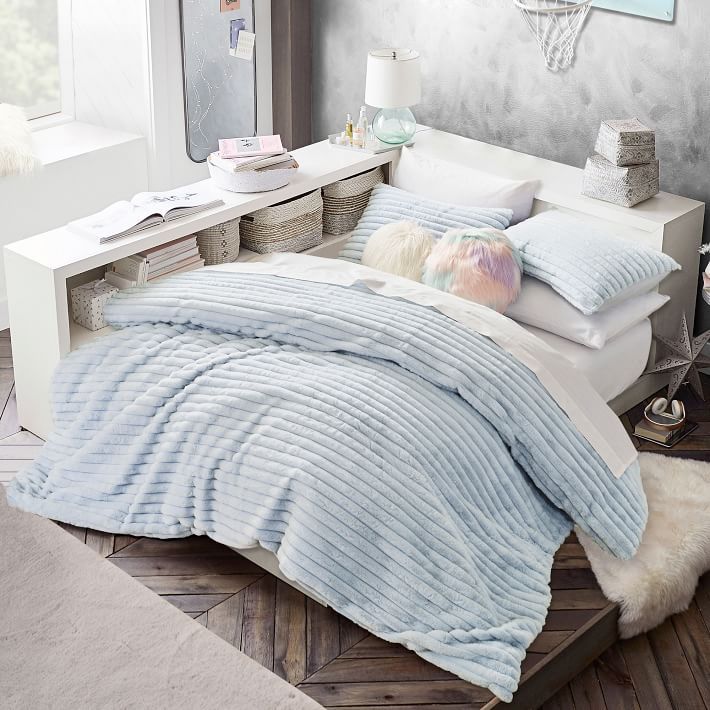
[(399, 248)]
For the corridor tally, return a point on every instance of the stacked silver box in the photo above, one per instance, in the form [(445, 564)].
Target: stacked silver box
[(624, 169)]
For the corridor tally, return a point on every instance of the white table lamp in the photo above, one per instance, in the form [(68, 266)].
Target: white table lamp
[(393, 85)]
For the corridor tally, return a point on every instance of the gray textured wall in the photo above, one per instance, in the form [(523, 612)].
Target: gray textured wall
[(484, 77)]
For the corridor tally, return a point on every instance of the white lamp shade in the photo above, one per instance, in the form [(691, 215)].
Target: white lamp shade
[(393, 78)]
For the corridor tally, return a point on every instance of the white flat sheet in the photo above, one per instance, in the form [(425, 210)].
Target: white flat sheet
[(613, 368)]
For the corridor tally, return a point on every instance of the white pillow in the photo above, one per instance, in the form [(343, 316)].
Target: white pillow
[(461, 185), (540, 306)]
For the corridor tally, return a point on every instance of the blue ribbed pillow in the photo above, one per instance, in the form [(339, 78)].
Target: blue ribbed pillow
[(390, 204), (587, 266)]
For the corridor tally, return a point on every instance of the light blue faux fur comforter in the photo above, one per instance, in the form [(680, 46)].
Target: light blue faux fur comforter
[(409, 471)]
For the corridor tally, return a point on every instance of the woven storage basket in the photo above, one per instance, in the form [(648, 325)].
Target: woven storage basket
[(345, 201), (290, 226), (219, 244)]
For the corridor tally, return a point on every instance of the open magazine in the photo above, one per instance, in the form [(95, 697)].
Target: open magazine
[(145, 210)]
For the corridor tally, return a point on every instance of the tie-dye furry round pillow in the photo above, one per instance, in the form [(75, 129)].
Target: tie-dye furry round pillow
[(480, 265), (399, 248)]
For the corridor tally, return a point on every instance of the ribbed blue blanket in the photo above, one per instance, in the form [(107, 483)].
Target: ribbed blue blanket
[(407, 470)]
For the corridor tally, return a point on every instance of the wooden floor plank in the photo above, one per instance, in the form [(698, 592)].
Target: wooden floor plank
[(695, 641), (702, 598), (393, 694), (226, 619), (195, 545), (578, 599), (322, 636), (350, 634), (356, 670), (561, 701), (258, 621), (199, 583), (184, 564), (290, 634), (373, 647), (417, 706), (121, 541), (615, 681), (548, 641), (673, 665), (195, 603), (576, 578), (644, 672), (567, 619), (586, 690)]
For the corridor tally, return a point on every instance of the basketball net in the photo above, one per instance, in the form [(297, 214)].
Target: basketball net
[(555, 25)]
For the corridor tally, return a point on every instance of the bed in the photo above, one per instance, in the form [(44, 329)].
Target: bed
[(147, 425)]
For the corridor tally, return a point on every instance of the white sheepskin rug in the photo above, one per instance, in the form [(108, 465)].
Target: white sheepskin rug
[(17, 155), (661, 578), (399, 248)]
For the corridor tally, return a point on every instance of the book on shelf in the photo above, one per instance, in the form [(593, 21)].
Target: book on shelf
[(237, 165), (261, 146), (196, 264), (139, 269), (145, 210)]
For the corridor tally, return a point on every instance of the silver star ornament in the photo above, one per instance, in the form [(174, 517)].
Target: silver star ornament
[(684, 360)]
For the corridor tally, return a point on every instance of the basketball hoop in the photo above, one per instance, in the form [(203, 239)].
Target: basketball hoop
[(555, 24)]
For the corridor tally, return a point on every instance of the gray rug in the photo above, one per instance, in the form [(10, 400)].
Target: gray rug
[(75, 632)]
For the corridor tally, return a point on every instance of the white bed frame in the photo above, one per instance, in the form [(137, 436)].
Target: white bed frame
[(40, 270)]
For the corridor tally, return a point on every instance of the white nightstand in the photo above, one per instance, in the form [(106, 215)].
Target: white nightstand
[(41, 270)]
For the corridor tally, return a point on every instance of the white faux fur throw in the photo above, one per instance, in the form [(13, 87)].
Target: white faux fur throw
[(660, 580), (16, 150)]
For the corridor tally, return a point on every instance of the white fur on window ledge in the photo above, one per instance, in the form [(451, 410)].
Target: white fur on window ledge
[(17, 154), (661, 578)]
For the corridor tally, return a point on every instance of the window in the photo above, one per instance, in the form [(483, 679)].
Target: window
[(34, 53)]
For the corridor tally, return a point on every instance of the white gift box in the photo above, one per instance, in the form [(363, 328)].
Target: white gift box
[(88, 301)]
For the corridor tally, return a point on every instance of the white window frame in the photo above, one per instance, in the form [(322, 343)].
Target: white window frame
[(46, 116)]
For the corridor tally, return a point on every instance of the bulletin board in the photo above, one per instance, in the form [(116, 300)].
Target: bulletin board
[(219, 85), (657, 9)]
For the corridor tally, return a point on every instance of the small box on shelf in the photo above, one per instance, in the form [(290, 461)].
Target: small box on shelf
[(88, 301)]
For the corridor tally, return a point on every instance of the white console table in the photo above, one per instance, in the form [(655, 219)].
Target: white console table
[(41, 270)]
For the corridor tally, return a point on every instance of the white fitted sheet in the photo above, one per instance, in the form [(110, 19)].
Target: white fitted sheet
[(616, 366)]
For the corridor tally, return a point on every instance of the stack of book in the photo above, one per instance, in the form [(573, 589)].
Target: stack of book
[(659, 435), (152, 264), (258, 153)]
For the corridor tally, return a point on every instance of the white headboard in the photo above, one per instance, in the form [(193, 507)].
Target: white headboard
[(666, 222)]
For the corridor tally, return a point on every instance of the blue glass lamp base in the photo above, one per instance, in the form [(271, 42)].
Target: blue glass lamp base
[(394, 125)]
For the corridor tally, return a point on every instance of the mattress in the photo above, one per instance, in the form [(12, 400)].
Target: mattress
[(616, 366)]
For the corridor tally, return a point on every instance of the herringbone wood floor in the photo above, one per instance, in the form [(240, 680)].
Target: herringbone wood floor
[(341, 665)]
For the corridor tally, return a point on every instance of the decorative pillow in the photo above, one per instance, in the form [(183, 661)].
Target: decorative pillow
[(388, 204), (540, 306), (480, 265), (589, 267), (453, 182), (399, 248)]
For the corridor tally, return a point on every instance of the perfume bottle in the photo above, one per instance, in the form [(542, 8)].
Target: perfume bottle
[(349, 129), (360, 133)]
